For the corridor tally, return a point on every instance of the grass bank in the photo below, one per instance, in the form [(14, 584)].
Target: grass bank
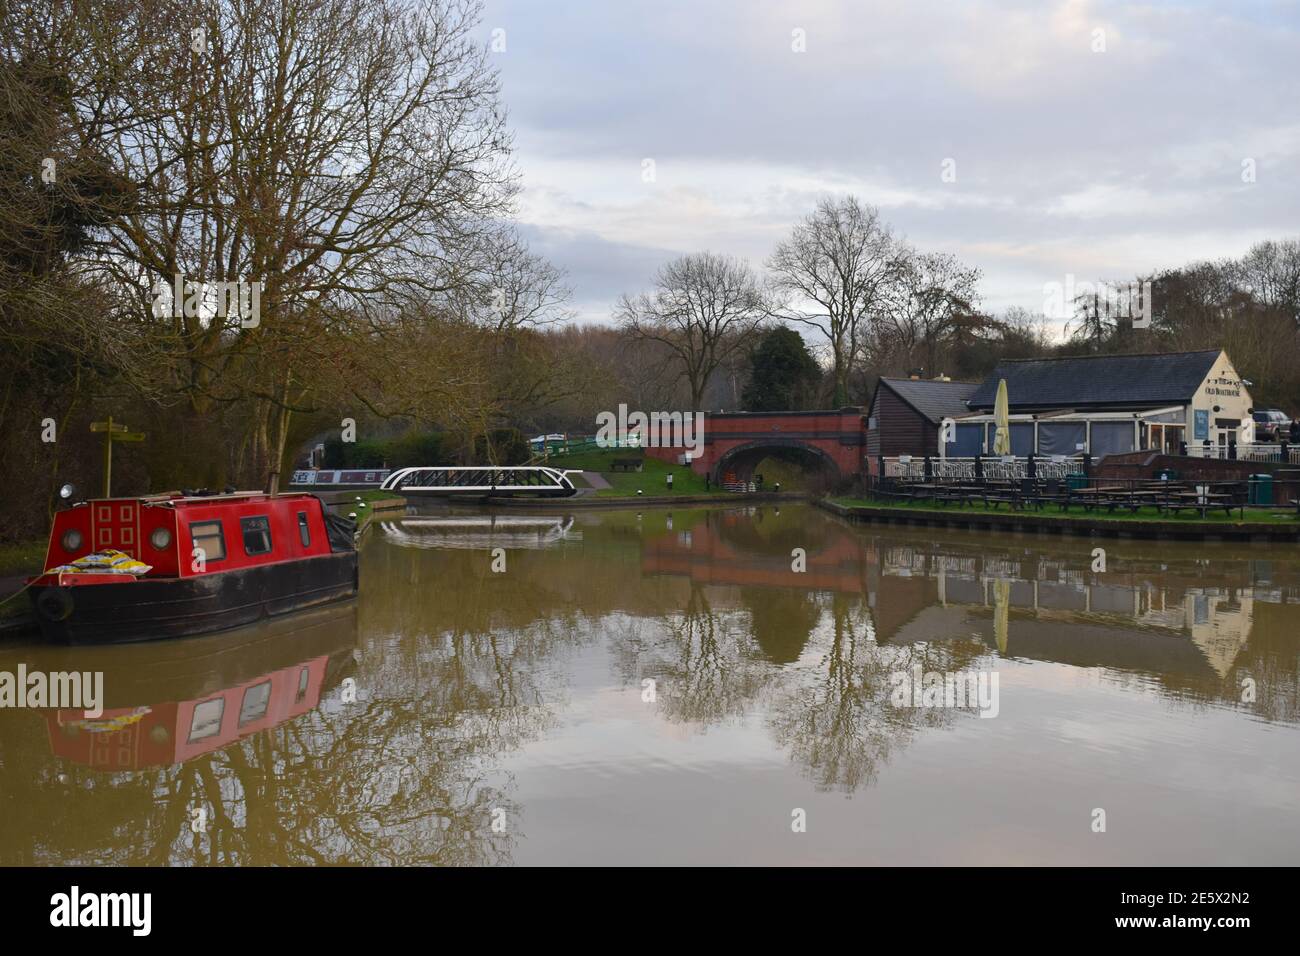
[(23, 557), (652, 479), (1278, 516), (1148, 522), (18, 560)]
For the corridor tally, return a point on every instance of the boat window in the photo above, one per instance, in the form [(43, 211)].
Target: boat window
[(303, 531), (256, 699), (257, 534), (304, 676), (207, 535), (207, 718)]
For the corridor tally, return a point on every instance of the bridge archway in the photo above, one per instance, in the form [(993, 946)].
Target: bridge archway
[(741, 460)]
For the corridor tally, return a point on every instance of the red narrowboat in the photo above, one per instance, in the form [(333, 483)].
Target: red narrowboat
[(215, 562)]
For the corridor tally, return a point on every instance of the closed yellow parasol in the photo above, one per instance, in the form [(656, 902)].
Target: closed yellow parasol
[(1001, 416)]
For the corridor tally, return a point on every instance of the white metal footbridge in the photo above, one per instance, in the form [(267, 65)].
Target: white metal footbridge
[(482, 480)]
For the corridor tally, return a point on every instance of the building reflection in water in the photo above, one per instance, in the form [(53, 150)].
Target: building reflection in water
[(1197, 622)]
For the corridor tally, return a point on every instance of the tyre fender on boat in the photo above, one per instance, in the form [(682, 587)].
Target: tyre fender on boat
[(54, 604)]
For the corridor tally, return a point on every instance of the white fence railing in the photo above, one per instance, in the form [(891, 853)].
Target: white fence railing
[(1056, 466), (1260, 451)]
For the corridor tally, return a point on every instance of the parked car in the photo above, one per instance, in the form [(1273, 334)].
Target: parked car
[(1272, 424)]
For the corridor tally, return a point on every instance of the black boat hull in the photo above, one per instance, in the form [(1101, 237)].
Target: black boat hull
[(155, 609)]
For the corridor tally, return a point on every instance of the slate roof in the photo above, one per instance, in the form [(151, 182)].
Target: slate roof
[(934, 399), (1098, 381)]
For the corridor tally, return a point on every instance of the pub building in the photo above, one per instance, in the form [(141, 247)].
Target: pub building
[(1108, 404)]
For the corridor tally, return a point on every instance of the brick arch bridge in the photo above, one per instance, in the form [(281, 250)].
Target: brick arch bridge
[(735, 442)]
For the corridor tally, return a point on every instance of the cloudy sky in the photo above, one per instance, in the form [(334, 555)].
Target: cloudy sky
[(1095, 139)]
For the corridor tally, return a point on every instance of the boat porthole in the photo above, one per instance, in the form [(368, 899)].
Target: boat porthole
[(160, 538), (71, 540)]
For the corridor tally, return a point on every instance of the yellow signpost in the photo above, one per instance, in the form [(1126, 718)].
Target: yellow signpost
[(112, 432)]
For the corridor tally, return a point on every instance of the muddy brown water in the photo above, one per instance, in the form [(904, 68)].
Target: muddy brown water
[(721, 685)]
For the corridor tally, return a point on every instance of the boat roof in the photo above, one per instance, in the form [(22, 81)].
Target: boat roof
[(176, 498)]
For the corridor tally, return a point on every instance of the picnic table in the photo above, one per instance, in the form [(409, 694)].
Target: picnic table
[(1202, 501), (920, 490), (1018, 493), (964, 494), (1136, 498), (1098, 497)]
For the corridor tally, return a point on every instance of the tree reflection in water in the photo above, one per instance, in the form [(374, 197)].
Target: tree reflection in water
[(398, 776), (798, 646)]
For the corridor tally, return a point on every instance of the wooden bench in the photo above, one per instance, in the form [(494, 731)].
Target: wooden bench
[(626, 464)]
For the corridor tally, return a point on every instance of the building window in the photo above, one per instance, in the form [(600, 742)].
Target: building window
[(1062, 438), (1111, 438), (966, 441), (304, 532), (208, 536), (257, 534)]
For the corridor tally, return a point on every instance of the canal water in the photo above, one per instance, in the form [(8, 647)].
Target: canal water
[(709, 686)]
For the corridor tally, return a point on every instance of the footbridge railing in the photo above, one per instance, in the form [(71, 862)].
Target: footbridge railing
[(482, 480)]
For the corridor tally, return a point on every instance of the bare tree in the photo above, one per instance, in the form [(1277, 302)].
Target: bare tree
[(1270, 271), (345, 154), (509, 287), (832, 273), (929, 295), (702, 310)]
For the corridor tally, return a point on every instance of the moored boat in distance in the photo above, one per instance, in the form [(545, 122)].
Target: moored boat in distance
[(214, 561)]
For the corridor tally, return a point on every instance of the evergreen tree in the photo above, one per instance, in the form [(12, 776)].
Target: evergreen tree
[(783, 373)]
